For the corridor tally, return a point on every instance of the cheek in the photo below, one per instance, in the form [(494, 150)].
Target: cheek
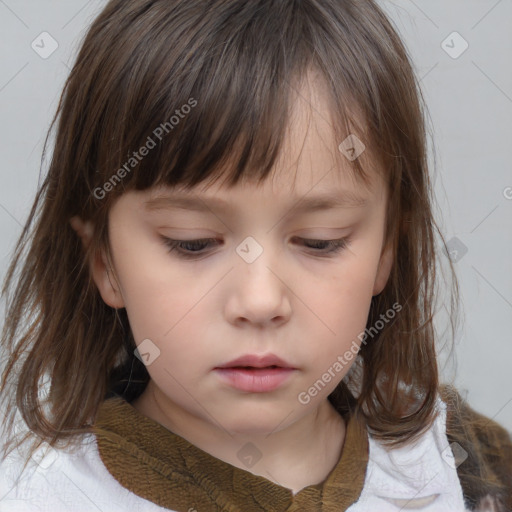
[(156, 292), (341, 304), (159, 307), (346, 292)]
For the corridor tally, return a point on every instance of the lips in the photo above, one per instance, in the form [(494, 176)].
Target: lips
[(256, 361), (253, 373)]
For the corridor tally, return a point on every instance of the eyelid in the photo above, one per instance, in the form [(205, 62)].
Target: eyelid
[(337, 245)]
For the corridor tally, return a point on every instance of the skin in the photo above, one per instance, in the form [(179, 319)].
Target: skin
[(291, 301)]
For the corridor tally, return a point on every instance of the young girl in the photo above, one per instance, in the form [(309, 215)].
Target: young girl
[(223, 297)]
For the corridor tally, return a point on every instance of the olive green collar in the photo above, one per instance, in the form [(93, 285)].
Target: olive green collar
[(162, 467)]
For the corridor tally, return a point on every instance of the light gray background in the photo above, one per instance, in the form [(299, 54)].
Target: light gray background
[(470, 104)]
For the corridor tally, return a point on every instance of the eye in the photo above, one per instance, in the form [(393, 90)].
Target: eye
[(195, 248), (188, 248), (327, 246)]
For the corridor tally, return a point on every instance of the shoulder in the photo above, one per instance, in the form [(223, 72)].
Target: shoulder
[(463, 462), (484, 450), (58, 480), (415, 475)]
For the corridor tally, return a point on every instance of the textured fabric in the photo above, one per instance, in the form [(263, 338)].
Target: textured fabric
[(408, 478), (61, 481), (165, 468), (486, 473), (135, 464)]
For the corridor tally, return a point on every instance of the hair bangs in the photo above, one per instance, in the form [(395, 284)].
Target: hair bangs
[(217, 107)]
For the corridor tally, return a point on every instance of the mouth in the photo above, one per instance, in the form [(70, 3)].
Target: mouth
[(252, 379), (254, 367), (254, 373), (257, 362)]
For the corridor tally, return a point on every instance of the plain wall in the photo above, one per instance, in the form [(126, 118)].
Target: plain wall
[(470, 103)]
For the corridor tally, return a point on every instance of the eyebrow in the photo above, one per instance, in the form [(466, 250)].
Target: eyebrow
[(342, 199)]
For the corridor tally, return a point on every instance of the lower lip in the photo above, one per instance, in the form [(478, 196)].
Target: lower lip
[(255, 380)]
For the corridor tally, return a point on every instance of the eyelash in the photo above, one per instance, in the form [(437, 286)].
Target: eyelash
[(335, 246)]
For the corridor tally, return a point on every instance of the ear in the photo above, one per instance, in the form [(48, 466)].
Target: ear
[(384, 270), (98, 265)]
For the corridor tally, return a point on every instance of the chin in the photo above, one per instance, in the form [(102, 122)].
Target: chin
[(257, 423)]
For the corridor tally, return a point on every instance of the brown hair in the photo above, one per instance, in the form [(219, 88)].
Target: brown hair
[(240, 62)]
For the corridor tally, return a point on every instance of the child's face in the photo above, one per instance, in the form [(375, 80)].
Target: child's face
[(297, 302)]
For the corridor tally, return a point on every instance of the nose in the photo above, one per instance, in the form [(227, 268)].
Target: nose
[(259, 292)]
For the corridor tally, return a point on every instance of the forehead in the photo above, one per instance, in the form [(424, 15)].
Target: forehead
[(314, 158), (312, 167), (302, 189)]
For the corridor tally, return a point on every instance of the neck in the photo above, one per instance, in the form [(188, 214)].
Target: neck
[(302, 454)]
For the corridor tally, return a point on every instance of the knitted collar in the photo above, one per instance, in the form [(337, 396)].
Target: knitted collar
[(166, 469)]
